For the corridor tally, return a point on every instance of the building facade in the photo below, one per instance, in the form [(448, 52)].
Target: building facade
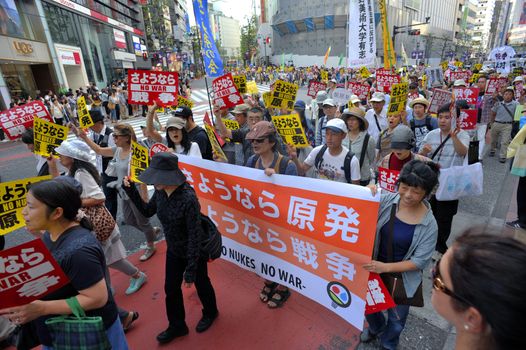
[(500, 23), (516, 36)]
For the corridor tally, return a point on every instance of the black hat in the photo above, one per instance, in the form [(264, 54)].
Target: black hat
[(163, 170), (183, 112), (96, 116)]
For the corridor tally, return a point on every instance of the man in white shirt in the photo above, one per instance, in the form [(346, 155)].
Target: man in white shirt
[(331, 161), (377, 116)]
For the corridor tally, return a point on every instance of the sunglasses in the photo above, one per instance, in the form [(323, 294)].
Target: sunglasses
[(258, 140), (438, 284)]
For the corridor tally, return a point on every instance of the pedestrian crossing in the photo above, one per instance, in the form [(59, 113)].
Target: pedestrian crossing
[(201, 106)]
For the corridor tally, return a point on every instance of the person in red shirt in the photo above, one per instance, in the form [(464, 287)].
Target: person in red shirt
[(402, 142)]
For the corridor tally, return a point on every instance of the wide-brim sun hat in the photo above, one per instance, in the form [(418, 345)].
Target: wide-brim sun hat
[(355, 112), (163, 170), (419, 100), (75, 149)]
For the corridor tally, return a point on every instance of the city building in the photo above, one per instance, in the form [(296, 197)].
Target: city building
[(483, 27), (516, 35), (225, 30), (500, 23)]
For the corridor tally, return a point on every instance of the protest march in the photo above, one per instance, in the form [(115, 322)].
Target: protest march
[(329, 187)]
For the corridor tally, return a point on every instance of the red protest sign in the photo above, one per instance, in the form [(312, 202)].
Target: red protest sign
[(495, 84), (157, 148), (440, 97), (460, 75), (314, 87), (207, 120), (468, 119), (145, 87), (385, 79), (469, 94), (360, 90), (519, 88), (378, 297), (387, 179), (27, 273), (16, 120), (225, 92)]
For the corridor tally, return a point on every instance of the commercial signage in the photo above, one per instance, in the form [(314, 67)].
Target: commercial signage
[(69, 58), (120, 38)]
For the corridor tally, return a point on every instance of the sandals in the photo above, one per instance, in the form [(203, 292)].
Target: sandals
[(275, 302), (267, 291), (132, 317)]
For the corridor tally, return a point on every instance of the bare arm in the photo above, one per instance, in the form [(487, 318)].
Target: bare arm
[(221, 127), (154, 134), (103, 151)]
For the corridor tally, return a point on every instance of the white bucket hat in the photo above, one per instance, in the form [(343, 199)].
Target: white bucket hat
[(75, 149)]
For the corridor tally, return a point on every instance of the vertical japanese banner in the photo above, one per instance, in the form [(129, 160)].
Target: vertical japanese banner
[(310, 235), (139, 161), (16, 120), (290, 129), (284, 95), (241, 83), (398, 98), (12, 201), (211, 58), (216, 141), (48, 136), (362, 34), (85, 120), (146, 87), (389, 52), (225, 92), (378, 297), (28, 272)]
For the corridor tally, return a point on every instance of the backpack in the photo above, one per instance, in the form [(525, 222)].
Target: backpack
[(346, 163), (428, 124), (279, 167), (212, 243)]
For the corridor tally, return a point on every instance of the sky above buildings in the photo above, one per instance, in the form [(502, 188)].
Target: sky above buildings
[(238, 9)]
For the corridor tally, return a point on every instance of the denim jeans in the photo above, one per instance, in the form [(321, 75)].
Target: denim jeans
[(389, 334)]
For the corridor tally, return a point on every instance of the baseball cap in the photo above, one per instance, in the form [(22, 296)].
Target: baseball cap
[(261, 130), (402, 138), (329, 102), (378, 97), (183, 112), (321, 96), (242, 108), (355, 99), (337, 124), (459, 82), (175, 122)]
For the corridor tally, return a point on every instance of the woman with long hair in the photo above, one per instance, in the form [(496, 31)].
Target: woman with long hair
[(177, 138)]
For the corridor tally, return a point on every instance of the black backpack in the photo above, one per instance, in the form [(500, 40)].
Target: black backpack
[(428, 124), (346, 163), (212, 243)]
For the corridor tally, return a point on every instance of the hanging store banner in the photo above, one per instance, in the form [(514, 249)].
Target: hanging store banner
[(146, 86), (310, 235), (16, 120), (362, 34), (120, 38), (212, 60)]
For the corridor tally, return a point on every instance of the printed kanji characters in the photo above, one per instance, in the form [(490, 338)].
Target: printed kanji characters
[(341, 266), (301, 212), (305, 252), (343, 220)]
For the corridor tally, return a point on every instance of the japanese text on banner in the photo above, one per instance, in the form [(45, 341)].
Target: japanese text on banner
[(211, 58), (183, 102), (378, 297), (28, 272), (139, 161), (360, 90), (241, 83), (225, 92), (290, 129), (267, 98), (496, 84), (384, 79), (324, 76), (398, 98), (284, 95), (157, 148), (468, 119), (145, 87), (388, 178), (12, 201), (314, 87), (468, 94), (364, 72), (85, 120), (306, 234), (214, 138), (362, 34), (48, 136), (16, 120), (440, 97), (231, 124)]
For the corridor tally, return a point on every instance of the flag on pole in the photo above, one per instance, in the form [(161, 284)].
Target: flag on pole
[(282, 61), (404, 55), (212, 59), (326, 56), (389, 53), (340, 61)]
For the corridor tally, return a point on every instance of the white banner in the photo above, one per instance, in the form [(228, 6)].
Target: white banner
[(362, 34)]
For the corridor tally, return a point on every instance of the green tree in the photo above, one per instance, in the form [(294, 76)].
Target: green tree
[(248, 38)]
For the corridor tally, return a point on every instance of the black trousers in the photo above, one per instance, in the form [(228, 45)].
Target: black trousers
[(521, 201), (111, 195), (443, 212), (175, 267)]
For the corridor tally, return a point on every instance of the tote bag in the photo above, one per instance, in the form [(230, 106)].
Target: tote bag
[(460, 181)]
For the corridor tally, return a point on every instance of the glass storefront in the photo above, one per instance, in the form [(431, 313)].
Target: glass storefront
[(19, 80)]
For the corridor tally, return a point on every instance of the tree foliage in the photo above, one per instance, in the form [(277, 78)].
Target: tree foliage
[(248, 37)]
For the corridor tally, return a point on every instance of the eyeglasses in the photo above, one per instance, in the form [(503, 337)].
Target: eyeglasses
[(258, 140), (438, 284)]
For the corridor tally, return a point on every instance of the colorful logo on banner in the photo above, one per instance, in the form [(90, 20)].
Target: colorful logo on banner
[(495, 84), (85, 120), (314, 87), (12, 201), (145, 87), (398, 98), (28, 272), (48, 136), (468, 119), (385, 78), (284, 95), (139, 161), (214, 138), (158, 148), (360, 90), (378, 297), (290, 129), (440, 97), (387, 179), (468, 94), (225, 92), (18, 119), (241, 83), (300, 232), (361, 34), (212, 60)]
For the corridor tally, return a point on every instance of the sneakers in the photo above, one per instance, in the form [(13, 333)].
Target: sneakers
[(205, 323), (171, 333), (515, 224), (157, 233), (136, 283), (148, 253)]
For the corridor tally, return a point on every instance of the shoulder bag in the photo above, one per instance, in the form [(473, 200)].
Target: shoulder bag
[(460, 181), (102, 221)]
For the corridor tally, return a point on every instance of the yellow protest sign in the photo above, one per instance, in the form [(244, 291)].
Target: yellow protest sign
[(85, 120), (444, 65), (364, 72), (240, 81), (267, 96), (398, 98), (459, 64), (47, 136), (160, 110), (290, 129), (389, 50), (474, 77), (477, 66), (252, 88), (283, 95), (12, 201), (216, 149), (424, 81), (231, 124), (139, 161), (181, 101), (324, 75)]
